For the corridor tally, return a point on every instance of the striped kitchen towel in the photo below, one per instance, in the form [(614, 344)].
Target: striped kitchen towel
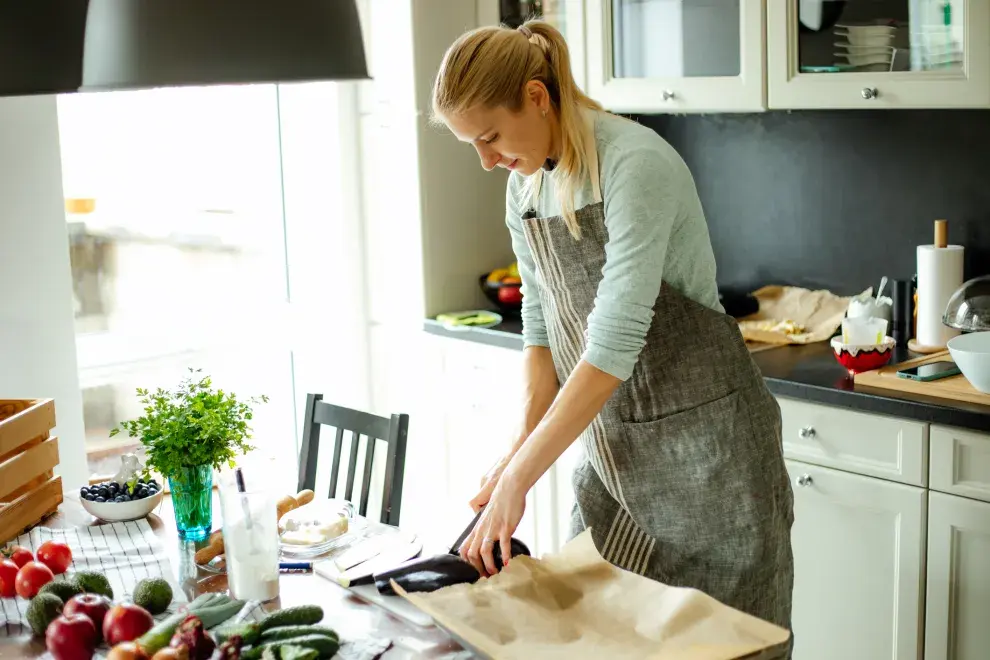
[(126, 552)]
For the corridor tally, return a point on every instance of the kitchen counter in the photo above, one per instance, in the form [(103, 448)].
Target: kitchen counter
[(806, 372)]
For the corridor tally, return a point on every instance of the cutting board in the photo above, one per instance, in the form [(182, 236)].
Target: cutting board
[(400, 607), (955, 388)]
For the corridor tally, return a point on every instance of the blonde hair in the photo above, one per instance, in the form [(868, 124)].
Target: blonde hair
[(490, 67)]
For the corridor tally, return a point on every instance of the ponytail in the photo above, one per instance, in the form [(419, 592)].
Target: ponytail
[(490, 66)]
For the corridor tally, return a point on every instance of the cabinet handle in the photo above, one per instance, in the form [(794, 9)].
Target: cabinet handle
[(870, 93), (807, 432), (668, 95), (805, 480)]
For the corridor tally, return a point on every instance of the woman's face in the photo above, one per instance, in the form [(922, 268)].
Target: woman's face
[(519, 141)]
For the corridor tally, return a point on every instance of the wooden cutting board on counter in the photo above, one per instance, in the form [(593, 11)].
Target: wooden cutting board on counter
[(956, 388)]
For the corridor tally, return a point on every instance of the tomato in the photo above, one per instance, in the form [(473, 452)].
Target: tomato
[(18, 554), (8, 577), (31, 577), (55, 556)]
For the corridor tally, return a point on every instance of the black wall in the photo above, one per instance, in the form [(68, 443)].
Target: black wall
[(836, 199)]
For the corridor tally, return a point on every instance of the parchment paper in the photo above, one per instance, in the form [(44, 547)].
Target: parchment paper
[(575, 605), (820, 312)]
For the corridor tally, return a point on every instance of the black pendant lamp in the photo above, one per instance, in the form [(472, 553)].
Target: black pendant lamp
[(137, 44)]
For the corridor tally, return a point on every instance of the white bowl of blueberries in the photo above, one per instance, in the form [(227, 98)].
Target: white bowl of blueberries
[(113, 502)]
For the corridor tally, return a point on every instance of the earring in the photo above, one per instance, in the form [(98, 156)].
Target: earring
[(544, 113)]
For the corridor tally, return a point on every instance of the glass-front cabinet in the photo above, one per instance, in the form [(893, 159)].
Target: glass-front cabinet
[(676, 55), (878, 53)]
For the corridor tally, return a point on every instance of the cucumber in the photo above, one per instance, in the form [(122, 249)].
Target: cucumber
[(325, 646), (303, 615), (248, 632), (293, 652), (288, 632)]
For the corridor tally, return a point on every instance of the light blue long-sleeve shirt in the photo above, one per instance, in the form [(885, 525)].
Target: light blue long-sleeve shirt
[(657, 231)]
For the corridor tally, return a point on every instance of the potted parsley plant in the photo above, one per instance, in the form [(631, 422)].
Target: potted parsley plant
[(187, 434)]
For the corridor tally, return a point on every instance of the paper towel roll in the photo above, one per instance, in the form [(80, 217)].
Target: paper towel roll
[(940, 273)]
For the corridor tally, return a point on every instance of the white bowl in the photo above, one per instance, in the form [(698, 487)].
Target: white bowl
[(971, 353), (121, 511)]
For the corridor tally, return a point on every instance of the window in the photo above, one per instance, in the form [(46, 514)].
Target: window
[(178, 253)]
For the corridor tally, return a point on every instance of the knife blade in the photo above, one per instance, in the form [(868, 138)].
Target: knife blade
[(455, 549)]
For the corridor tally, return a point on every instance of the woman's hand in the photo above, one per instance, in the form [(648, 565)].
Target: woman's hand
[(497, 524), (489, 481)]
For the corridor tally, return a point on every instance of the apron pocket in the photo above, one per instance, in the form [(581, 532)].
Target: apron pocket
[(693, 478)]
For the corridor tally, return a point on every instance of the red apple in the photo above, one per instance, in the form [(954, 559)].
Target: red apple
[(126, 622), (71, 637), (92, 606), (510, 295)]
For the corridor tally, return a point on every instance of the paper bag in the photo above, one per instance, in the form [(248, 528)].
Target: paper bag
[(575, 605), (818, 313)]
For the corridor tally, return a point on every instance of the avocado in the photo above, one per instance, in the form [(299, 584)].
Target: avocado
[(44, 609), (64, 589), (153, 594), (93, 583)]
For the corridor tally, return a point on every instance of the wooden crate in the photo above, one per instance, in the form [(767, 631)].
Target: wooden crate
[(29, 489)]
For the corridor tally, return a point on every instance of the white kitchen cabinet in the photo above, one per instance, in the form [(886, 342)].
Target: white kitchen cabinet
[(864, 443), (960, 462), (958, 596), (676, 55), (910, 72), (858, 555)]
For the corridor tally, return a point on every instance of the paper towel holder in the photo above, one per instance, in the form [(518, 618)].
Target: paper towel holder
[(941, 242)]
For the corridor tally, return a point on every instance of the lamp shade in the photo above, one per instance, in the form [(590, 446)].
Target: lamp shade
[(41, 46), (137, 44)]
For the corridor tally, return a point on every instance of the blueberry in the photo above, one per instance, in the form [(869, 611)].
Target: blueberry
[(100, 499), (154, 483), (114, 487), (140, 493), (125, 498)]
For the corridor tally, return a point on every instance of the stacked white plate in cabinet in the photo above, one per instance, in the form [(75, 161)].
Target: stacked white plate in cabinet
[(865, 47)]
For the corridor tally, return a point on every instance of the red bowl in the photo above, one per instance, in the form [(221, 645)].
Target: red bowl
[(859, 358)]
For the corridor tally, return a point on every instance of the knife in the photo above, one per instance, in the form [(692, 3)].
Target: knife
[(456, 548)]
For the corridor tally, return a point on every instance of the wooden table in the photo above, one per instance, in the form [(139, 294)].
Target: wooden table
[(348, 615)]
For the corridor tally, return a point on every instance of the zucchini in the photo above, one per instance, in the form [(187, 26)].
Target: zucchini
[(211, 609), (325, 646), (303, 615), (288, 632)]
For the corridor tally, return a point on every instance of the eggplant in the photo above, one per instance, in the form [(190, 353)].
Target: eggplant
[(432, 573), (427, 574)]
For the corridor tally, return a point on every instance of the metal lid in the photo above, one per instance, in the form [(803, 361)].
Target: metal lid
[(969, 307)]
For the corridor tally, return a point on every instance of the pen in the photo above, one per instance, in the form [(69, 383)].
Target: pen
[(295, 566)]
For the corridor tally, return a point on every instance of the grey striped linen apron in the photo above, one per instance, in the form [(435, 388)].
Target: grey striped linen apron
[(683, 477)]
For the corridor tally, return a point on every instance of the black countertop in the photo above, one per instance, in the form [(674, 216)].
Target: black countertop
[(809, 372)]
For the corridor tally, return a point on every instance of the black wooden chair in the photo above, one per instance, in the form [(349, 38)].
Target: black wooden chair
[(392, 431)]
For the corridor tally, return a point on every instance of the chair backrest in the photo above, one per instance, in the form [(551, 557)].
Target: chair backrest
[(373, 428)]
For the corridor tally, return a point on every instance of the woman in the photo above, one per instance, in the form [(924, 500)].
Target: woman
[(627, 346)]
